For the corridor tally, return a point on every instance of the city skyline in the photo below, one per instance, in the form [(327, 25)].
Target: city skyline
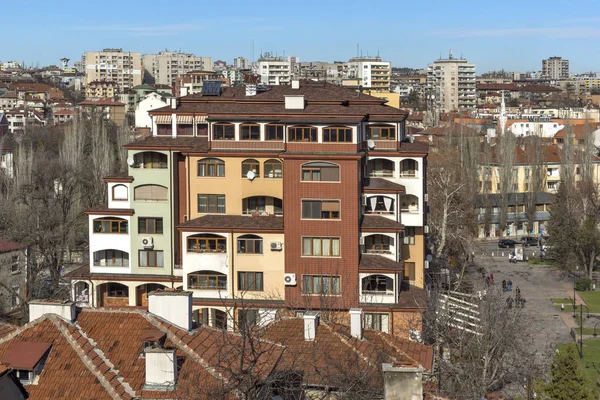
[(485, 36)]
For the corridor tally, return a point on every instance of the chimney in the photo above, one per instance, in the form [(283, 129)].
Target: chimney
[(402, 382), (173, 103), (174, 306), (295, 84), (294, 102), (183, 91), (64, 309), (161, 368), (356, 329), (311, 321), (250, 89)]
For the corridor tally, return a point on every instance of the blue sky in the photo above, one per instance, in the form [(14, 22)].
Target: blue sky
[(514, 35)]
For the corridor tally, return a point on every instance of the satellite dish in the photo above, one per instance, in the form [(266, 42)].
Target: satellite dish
[(130, 162), (549, 173), (251, 175), (429, 258), (371, 144)]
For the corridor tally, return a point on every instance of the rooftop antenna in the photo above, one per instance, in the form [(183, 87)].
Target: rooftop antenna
[(252, 51), (450, 55), (357, 50)]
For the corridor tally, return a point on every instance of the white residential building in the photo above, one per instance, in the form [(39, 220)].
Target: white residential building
[(115, 65), (452, 81), (371, 72), (151, 102), (273, 70), (166, 66), (240, 63), (555, 68)]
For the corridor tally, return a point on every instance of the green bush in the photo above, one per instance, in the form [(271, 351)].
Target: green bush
[(582, 284)]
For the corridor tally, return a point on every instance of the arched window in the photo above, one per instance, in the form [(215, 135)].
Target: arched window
[(223, 131), (206, 243), (273, 169), (321, 172), (249, 131), (150, 159), (377, 284), (250, 165), (117, 290), (150, 193), (337, 134), (274, 132), (409, 168), (250, 244), (207, 280), (214, 167), (119, 193), (302, 134), (382, 132), (410, 203), (110, 225), (381, 167), (380, 205), (111, 258)]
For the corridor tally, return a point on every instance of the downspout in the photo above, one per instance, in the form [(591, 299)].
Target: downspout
[(172, 217), (233, 244), (188, 186)]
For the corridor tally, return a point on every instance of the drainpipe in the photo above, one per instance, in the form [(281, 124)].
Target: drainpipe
[(233, 244), (172, 217)]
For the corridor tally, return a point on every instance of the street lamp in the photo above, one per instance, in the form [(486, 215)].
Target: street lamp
[(595, 325)]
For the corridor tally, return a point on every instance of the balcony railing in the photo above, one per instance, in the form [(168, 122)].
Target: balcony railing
[(111, 263), (381, 173), (378, 249)]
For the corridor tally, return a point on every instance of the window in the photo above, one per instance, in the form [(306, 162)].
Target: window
[(409, 271), (250, 244), (207, 244), (320, 209), (250, 281), (250, 165), (14, 298), (321, 284), (150, 160), (119, 193), (320, 247), (108, 225), (117, 290), (409, 235), (302, 134), (223, 132), (382, 132), (378, 284), (381, 167), (380, 205), (164, 130), (150, 225), (151, 193), (337, 134), (320, 172), (247, 318), (24, 376), (274, 132), (378, 244), (211, 203), (377, 322), (410, 203), (111, 258), (14, 266), (213, 167), (151, 258), (408, 168), (273, 169), (207, 281), (250, 132), (185, 129)]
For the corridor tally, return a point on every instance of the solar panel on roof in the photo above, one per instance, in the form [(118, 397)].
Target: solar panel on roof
[(211, 88)]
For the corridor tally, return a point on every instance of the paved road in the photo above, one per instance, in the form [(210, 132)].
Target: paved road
[(490, 247), (538, 285)]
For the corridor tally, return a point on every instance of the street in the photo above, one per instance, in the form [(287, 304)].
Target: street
[(489, 248)]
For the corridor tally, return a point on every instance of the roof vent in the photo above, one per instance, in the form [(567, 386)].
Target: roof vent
[(250, 89), (294, 102), (161, 368), (63, 308), (311, 322), (27, 359), (295, 84)]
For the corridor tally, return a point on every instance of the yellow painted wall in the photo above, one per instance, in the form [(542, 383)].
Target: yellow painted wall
[(416, 253), (393, 98)]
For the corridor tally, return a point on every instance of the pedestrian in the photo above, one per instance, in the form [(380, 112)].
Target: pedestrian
[(487, 281), (472, 257), (504, 285), (509, 302), (492, 278), (509, 285), (518, 291)]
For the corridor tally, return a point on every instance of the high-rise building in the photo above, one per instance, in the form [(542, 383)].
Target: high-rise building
[(322, 206), (555, 68), (273, 70), (371, 72), (240, 63), (166, 66), (114, 65), (453, 83)]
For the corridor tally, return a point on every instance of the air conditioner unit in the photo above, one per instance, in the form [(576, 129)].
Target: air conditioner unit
[(289, 279), (426, 228), (276, 246), (426, 197), (148, 242), (364, 200)]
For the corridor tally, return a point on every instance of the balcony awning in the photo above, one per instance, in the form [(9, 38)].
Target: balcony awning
[(185, 119), (201, 119), (163, 119)]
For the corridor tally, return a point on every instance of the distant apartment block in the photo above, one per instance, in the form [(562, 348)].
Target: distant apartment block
[(452, 82), (101, 90), (166, 66), (240, 63), (115, 65), (273, 70), (192, 82), (7, 65), (555, 68), (372, 72)]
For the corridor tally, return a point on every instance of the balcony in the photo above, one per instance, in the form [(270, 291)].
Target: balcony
[(381, 168)]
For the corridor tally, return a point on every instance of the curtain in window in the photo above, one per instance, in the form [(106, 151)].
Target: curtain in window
[(316, 247), (326, 247), (160, 259), (373, 201), (336, 247), (388, 203), (306, 247), (143, 258), (221, 204)]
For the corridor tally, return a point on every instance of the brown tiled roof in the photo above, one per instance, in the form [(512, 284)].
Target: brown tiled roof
[(101, 102), (373, 222), (538, 89), (5, 329), (374, 262), (33, 87), (7, 245), (25, 355), (195, 144), (104, 209), (419, 352), (64, 112), (455, 129), (417, 146), (579, 130), (119, 176), (382, 184), (412, 297), (236, 222), (496, 86)]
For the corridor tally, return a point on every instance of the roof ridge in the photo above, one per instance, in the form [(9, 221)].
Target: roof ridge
[(347, 343), (87, 361), (23, 328), (160, 324)]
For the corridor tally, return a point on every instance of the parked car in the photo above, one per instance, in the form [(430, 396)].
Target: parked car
[(529, 241), (507, 244)]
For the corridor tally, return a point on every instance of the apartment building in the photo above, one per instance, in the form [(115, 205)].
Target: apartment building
[(114, 65), (289, 197), (555, 68), (240, 63), (372, 72), (101, 90), (15, 259), (273, 70), (192, 82), (452, 82), (166, 66)]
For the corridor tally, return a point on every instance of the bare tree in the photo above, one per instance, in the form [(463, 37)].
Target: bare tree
[(505, 152), (535, 176)]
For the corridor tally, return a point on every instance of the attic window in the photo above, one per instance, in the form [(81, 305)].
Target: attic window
[(153, 338), (27, 359)]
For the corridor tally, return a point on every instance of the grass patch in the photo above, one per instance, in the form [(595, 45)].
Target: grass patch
[(559, 300), (537, 261), (568, 307), (592, 299), (591, 357), (587, 331)]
